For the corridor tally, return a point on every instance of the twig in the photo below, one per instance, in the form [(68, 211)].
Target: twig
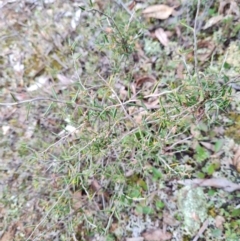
[(165, 163), (195, 45), (45, 99), (201, 230), (119, 2), (32, 100), (109, 220), (203, 14), (162, 93), (178, 142)]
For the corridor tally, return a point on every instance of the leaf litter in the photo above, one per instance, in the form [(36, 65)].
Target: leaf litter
[(160, 11)]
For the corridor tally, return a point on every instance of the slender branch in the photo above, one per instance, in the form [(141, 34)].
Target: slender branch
[(119, 2), (195, 44), (33, 100), (46, 99)]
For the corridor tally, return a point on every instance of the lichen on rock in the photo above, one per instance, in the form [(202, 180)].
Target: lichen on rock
[(193, 205)]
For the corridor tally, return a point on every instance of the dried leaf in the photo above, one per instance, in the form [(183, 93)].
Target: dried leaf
[(156, 235), (133, 88), (207, 145), (101, 4), (139, 117), (236, 159), (77, 200), (222, 6), (212, 21), (95, 185), (160, 11), (223, 183), (153, 104), (132, 5), (178, 31), (180, 69), (76, 19), (123, 94), (208, 47), (64, 80), (140, 81), (232, 7), (162, 36), (10, 233), (169, 219), (219, 220), (108, 30)]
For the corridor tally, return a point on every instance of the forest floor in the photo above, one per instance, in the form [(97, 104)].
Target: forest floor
[(119, 120)]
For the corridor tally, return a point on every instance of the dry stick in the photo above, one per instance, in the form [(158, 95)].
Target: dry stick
[(46, 99), (195, 45), (31, 100), (109, 220), (165, 163), (84, 106), (204, 13), (201, 230), (65, 102), (162, 93), (178, 142), (119, 2)]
